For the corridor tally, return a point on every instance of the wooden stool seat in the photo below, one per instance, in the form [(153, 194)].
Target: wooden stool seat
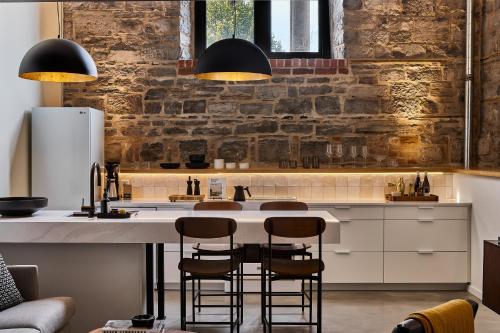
[(208, 268), (215, 249), (290, 267)]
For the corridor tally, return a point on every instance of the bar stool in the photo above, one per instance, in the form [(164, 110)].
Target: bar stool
[(290, 250), (278, 268), (213, 250), (202, 269)]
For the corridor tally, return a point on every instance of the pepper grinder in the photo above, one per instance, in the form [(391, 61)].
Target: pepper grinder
[(196, 187), (189, 186)]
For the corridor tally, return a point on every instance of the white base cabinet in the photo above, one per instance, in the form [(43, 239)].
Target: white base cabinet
[(426, 267), (413, 243)]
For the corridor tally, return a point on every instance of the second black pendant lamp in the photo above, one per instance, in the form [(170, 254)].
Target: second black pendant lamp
[(58, 60), (233, 59)]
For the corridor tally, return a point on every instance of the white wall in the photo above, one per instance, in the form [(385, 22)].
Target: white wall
[(21, 26), (484, 193)]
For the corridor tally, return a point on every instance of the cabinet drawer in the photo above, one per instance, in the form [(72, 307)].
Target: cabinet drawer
[(353, 267), (358, 235), (426, 234), (437, 267), (355, 213), (426, 211)]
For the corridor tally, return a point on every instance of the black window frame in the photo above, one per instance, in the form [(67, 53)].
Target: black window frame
[(262, 30)]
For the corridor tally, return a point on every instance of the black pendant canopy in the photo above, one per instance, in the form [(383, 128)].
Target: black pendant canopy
[(233, 59), (58, 60)]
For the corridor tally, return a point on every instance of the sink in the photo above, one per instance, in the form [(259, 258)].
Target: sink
[(21, 206)]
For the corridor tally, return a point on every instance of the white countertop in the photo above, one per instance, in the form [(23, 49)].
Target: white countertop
[(254, 204), (50, 226)]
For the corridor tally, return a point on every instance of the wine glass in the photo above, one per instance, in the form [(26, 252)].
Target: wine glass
[(364, 154), (339, 152), (380, 159), (354, 154), (329, 154)]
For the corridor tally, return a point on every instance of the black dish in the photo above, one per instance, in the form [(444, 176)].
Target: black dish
[(21, 206), (197, 158), (143, 321), (170, 165), (113, 215), (203, 165)]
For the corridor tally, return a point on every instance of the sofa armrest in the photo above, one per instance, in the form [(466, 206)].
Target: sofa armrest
[(26, 278)]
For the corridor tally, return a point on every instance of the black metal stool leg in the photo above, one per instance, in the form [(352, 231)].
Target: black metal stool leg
[(319, 303), (183, 301), (238, 299), (310, 300), (242, 291), (193, 301)]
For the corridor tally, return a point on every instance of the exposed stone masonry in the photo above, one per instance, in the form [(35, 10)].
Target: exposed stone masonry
[(488, 112), (400, 92)]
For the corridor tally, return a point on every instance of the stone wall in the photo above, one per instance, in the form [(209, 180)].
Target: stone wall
[(488, 111), (400, 92)]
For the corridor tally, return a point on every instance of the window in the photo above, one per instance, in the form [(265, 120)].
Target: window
[(281, 28)]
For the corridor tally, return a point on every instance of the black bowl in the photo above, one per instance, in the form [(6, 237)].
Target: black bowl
[(21, 206), (143, 321), (197, 158), (170, 165)]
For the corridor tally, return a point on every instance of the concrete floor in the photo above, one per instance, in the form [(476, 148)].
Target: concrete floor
[(343, 312)]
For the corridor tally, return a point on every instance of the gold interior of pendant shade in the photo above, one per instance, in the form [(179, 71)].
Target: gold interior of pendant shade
[(232, 76), (57, 77)]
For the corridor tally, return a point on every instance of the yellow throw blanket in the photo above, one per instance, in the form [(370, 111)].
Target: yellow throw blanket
[(455, 316)]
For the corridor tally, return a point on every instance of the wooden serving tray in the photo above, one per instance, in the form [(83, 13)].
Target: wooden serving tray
[(184, 197), (432, 197)]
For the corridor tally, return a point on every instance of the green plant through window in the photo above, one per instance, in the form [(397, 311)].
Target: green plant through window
[(219, 22)]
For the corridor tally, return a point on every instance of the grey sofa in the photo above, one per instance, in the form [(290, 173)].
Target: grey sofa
[(49, 315)]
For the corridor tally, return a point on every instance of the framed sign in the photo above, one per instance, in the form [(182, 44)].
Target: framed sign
[(217, 188)]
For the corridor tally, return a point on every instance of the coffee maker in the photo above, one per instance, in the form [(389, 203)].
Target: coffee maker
[(113, 180)]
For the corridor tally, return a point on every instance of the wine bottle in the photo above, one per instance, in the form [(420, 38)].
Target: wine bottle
[(417, 183), (426, 186)]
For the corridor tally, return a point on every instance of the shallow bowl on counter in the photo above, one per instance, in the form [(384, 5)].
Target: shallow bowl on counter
[(170, 165), (21, 206)]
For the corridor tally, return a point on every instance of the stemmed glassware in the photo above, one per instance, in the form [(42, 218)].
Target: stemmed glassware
[(354, 154), (364, 154), (329, 154), (339, 153)]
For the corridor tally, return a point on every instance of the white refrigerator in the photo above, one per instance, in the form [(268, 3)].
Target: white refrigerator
[(65, 141)]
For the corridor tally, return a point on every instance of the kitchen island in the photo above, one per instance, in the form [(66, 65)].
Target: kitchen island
[(101, 263)]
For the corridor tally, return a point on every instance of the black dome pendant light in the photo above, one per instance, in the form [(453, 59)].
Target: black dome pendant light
[(58, 60), (233, 59)]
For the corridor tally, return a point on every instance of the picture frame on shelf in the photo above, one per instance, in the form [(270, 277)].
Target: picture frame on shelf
[(217, 188)]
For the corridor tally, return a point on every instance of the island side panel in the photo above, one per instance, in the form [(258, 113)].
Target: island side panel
[(106, 280)]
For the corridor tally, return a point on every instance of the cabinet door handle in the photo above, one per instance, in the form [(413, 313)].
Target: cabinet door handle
[(342, 251), (344, 220), (425, 207), (342, 207), (425, 220), (425, 251)]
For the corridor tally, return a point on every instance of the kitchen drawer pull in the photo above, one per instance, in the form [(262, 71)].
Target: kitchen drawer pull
[(425, 220), (344, 220), (342, 207), (342, 251), (425, 207), (425, 251)]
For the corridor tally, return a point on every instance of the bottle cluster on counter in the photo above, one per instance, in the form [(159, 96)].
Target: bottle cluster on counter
[(417, 188)]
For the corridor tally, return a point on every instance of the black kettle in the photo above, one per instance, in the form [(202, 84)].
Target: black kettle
[(239, 193)]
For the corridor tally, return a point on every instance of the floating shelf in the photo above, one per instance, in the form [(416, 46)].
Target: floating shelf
[(290, 171)]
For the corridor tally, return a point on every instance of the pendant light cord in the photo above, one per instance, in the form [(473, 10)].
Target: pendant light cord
[(234, 18), (58, 21)]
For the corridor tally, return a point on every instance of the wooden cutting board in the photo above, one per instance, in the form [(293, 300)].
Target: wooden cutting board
[(184, 197), (431, 197)]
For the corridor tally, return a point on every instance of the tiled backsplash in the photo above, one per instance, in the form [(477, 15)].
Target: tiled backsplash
[(303, 186)]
